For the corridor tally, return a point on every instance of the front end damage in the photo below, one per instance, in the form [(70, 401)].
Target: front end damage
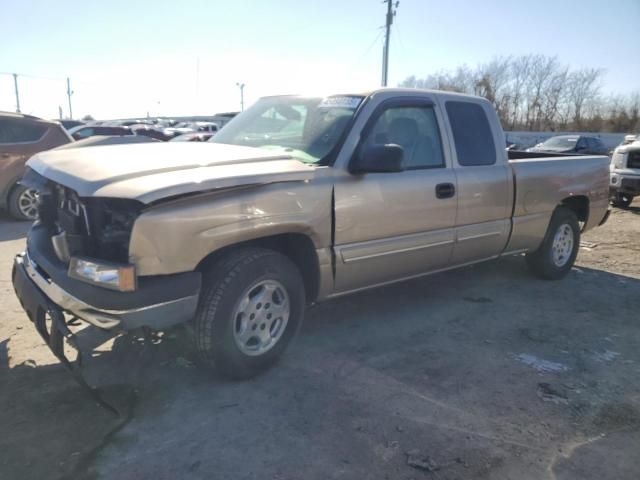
[(55, 293)]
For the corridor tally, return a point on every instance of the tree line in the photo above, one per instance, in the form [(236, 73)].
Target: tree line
[(538, 92)]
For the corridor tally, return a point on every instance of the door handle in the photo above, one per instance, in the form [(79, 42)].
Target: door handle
[(445, 190)]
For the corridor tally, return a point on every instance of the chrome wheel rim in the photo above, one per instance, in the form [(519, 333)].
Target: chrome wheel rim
[(562, 245), (28, 204), (261, 317)]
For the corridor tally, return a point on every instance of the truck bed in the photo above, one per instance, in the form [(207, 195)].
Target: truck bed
[(542, 182)]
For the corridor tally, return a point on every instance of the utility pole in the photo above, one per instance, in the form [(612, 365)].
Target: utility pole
[(241, 87), (198, 80), (69, 93), (391, 12), (15, 85)]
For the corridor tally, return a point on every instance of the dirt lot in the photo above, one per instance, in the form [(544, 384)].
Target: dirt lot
[(482, 373)]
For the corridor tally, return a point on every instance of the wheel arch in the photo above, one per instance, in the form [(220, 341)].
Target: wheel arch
[(298, 247), (578, 204), (10, 186)]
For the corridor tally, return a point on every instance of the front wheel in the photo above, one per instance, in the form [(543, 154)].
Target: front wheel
[(622, 200), (557, 253), (251, 306)]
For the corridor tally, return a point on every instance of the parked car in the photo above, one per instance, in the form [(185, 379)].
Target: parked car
[(179, 129), (86, 131), (193, 137), (580, 144), (20, 137), (296, 200), (149, 131), (629, 139), (129, 123), (188, 127), (206, 127), (102, 140), (69, 124), (625, 172)]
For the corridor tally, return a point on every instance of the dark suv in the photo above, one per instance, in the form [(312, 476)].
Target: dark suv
[(582, 144), (22, 136)]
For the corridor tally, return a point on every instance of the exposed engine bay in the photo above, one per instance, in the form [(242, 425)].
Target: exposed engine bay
[(97, 228)]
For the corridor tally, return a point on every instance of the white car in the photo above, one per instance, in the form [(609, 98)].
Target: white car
[(625, 172)]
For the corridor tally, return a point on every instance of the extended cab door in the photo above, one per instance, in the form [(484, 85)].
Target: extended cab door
[(485, 184), (390, 226)]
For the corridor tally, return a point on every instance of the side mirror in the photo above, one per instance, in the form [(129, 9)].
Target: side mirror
[(378, 159)]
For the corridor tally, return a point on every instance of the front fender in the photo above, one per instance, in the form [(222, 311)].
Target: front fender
[(175, 237)]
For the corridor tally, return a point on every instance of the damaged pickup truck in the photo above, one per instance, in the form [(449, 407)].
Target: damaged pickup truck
[(296, 200)]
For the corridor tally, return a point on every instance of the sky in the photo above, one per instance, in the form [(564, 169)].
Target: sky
[(130, 58)]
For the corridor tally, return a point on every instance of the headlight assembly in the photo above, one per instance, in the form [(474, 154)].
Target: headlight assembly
[(108, 275)]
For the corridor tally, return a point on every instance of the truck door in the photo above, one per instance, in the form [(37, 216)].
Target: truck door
[(390, 226), (484, 182)]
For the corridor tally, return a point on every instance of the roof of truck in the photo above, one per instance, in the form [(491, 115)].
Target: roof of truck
[(367, 93)]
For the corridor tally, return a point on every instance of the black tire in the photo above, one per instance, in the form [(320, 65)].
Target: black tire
[(541, 262), (16, 210), (622, 200), (224, 286)]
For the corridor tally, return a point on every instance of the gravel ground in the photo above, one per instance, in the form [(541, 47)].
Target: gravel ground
[(481, 373)]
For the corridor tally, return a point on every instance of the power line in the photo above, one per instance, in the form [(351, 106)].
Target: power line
[(396, 28), (366, 52)]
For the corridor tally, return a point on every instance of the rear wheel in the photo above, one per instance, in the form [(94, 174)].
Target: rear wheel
[(23, 203), (622, 200), (557, 253), (251, 306)]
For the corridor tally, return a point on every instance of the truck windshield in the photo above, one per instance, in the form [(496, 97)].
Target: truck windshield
[(306, 128)]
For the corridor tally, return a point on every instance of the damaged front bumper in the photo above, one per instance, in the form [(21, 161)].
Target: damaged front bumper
[(52, 326), (49, 295), (158, 302), (47, 304), (156, 316)]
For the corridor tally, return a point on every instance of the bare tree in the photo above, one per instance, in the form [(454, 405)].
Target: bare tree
[(553, 96), (519, 73), (584, 87), (492, 81), (537, 92)]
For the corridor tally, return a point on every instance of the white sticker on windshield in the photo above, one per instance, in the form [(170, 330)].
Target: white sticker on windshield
[(343, 102)]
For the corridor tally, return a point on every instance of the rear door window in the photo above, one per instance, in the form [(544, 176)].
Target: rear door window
[(18, 131), (472, 134)]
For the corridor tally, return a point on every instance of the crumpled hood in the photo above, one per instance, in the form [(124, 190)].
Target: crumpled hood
[(149, 172)]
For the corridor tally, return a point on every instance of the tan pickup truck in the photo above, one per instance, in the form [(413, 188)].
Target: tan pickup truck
[(296, 200)]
